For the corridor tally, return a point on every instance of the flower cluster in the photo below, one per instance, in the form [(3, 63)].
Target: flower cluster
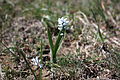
[(36, 62), (62, 23)]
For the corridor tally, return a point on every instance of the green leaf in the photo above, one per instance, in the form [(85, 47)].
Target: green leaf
[(59, 41), (100, 35), (50, 40)]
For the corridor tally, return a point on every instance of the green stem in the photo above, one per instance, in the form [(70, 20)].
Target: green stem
[(41, 53)]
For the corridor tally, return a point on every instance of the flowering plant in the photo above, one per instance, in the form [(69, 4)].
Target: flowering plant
[(62, 26)]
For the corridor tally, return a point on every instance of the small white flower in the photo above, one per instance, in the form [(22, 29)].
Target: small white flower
[(41, 65), (62, 23), (36, 62), (61, 34), (60, 28)]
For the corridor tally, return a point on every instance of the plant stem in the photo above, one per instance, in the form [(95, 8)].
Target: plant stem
[(41, 53)]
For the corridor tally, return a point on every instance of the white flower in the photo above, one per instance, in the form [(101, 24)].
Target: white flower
[(62, 23), (41, 65), (36, 62), (61, 34)]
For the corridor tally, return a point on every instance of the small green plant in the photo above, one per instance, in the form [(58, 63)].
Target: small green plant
[(39, 62), (36, 61), (62, 26)]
